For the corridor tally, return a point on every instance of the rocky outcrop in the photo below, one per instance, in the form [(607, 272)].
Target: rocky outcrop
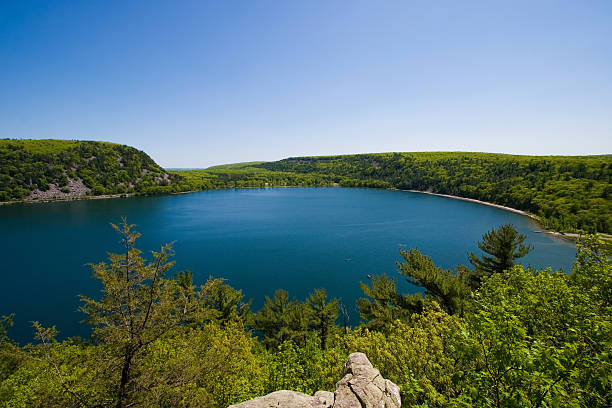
[(361, 386), (45, 170), (74, 188)]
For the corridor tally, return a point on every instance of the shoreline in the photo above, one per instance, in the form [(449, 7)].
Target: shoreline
[(570, 236), (127, 195), (473, 200), (63, 199)]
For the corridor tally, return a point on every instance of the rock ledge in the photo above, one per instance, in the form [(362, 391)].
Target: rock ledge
[(361, 386)]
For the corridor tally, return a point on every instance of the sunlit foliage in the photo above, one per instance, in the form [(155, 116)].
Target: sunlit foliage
[(525, 339)]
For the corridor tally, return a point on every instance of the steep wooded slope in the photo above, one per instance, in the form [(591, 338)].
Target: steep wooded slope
[(55, 169)]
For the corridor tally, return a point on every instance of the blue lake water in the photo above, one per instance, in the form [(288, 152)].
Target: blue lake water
[(297, 239)]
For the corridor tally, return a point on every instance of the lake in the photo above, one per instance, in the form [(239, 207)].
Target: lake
[(259, 240)]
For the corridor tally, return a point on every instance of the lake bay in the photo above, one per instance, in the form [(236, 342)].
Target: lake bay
[(259, 240)]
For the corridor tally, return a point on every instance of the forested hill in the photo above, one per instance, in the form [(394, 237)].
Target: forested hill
[(56, 169), (566, 192)]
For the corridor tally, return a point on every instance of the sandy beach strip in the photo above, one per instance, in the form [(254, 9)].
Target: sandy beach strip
[(473, 200)]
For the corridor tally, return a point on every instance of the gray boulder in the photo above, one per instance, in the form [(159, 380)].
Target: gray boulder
[(280, 399), (361, 386)]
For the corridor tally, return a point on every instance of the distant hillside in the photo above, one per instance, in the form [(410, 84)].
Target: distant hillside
[(567, 193), (60, 169), (248, 175)]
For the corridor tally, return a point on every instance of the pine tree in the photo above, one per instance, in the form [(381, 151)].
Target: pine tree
[(504, 245), (224, 303), (384, 305), (273, 319), (448, 289), (323, 315)]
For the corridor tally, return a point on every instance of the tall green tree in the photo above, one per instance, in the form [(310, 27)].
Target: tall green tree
[(281, 319), (138, 306), (272, 319), (384, 304), (323, 314), (450, 290), (224, 303), (502, 246)]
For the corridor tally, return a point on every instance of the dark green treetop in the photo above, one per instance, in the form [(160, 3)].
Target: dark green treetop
[(450, 290), (223, 303), (384, 304), (282, 319), (503, 245), (323, 314)]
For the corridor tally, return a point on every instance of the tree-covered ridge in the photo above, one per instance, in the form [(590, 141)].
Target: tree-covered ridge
[(31, 169), (247, 175), (566, 192)]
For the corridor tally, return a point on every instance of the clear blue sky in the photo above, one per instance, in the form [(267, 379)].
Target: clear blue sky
[(197, 83)]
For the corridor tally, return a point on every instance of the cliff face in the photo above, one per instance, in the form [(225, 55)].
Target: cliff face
[(361, 386)]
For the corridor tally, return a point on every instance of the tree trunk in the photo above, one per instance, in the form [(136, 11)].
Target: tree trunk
[(125, 376)]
